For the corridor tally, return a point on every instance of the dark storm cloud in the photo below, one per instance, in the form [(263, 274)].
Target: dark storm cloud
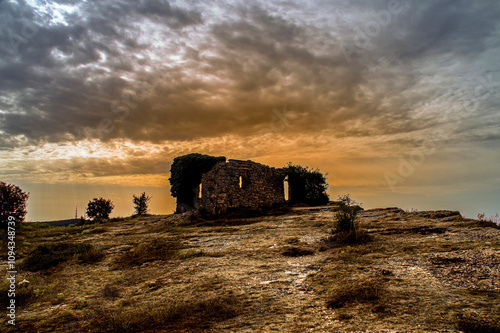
[(210, 75), (393, 51), (59, 79), (461, 27)]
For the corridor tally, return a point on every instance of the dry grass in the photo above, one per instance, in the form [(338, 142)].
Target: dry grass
[(367, 291), (472, 324), (147, 251), (368, 287), (191, 315), (478, 224), (50, 255), (48, 289), (160, 275), (24, 293), (190, 253), (356, 236), (294, 251), (110, 292)]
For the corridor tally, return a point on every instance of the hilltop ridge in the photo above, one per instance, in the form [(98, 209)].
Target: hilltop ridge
[(422, 272)]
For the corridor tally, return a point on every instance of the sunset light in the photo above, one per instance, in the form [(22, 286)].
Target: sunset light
[(250, 166), (396, 100)]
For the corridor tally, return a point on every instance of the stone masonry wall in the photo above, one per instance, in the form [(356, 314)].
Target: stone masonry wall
[(240, 184)]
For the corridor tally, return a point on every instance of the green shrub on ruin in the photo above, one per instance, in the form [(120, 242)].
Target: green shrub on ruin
[(185, 175)]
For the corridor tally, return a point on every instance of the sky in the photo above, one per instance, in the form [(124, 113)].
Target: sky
[(396, 100)]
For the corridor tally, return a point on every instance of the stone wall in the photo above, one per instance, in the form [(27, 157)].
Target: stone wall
[(240, 184)]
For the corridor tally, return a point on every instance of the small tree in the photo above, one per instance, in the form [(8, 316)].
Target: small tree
[(13, 202), (141, 203), (347, 214), (346, 229), (99, 208), (306, 185)]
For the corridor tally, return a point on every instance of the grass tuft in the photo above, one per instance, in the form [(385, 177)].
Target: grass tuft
[(356, 236), (50, 255), (351, 292), (469, 324), (190, 253), (478, 224), (294, 251), (110, 292), (155, 249)]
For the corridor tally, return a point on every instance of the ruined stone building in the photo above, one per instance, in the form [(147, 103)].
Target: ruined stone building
[(238, 184)]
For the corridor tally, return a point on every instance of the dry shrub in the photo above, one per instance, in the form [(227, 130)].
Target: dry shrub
[(52, 254), (346, 214), (155, 249), (91, 255), (493, 218), (368, 291), (294, 251), (292, 240), (111, 292), (355, 236), (469, 324), (346, 229)]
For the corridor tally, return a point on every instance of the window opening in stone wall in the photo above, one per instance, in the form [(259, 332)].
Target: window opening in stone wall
[(199, 191), (285, 186), (244, 181)]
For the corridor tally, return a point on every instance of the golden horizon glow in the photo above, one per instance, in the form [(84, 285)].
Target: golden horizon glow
[(395, 103)]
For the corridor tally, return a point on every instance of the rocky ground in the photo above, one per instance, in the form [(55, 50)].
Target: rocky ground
[(421, 272)]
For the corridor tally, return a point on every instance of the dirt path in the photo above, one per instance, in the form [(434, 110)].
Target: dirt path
[(278, 297)]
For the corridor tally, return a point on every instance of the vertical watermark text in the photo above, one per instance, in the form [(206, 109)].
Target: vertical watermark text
[(11, 269)]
